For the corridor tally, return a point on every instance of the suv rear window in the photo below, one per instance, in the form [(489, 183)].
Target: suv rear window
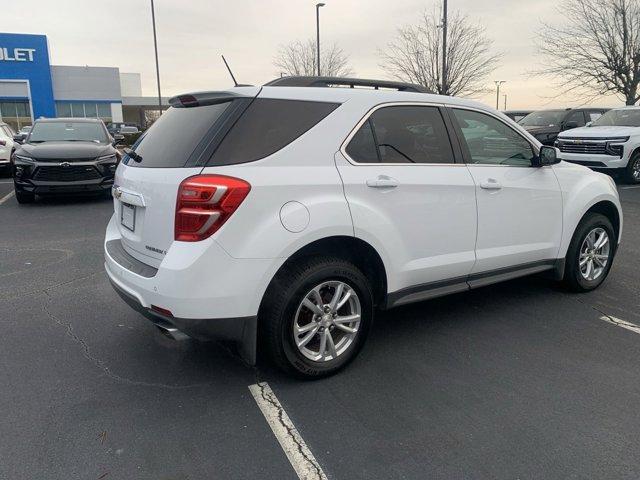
[(172, 139), (267, 126)]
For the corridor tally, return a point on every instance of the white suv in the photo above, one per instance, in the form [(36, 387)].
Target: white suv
[(287, 215), (611, 143), (7, 146)]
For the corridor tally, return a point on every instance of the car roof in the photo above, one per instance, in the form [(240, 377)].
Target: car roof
[(331, 94)]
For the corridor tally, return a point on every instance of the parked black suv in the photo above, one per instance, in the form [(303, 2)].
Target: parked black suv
[(545, 125), (64, 155)]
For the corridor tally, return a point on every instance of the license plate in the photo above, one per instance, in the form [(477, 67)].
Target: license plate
[(128, 216)]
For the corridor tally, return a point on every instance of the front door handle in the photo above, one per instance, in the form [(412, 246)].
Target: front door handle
[(491, 184), (382, 181)]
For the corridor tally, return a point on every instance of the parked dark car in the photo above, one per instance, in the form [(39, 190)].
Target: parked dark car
[(516, 115), (545, 125), (64, 155)]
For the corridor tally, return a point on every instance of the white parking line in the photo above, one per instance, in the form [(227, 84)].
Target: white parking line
[(299, 455), (621, 323), (6, 197), (630, 187), (6, 181)]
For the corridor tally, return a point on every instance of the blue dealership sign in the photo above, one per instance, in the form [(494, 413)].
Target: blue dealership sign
[(26, 57)]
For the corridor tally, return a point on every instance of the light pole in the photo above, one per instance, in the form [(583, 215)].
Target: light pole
[(498, 83), (505, 101), (318, 5), (444, 47), (155, 46)]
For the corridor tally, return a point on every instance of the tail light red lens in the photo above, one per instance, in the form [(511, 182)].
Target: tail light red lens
[(205, 203)]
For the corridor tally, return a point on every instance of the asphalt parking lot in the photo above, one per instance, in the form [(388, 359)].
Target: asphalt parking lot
[(517, 380)]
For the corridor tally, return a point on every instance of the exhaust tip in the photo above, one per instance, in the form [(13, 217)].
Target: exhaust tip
[(172, 333)]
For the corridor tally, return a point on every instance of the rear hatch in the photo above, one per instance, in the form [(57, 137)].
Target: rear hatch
[(176, 147)]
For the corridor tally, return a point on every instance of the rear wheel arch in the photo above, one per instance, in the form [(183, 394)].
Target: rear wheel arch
[(352, 249)]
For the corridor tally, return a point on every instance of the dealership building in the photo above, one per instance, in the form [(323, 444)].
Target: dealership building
[(30, 87)]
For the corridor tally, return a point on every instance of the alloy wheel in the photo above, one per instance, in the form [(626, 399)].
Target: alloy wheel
[(594, 254), (327, 321), (635, 170)]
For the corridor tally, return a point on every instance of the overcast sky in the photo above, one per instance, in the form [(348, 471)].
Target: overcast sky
[(193, 33)]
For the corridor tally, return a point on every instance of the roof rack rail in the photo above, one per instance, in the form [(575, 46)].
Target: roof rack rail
[(345, 82)]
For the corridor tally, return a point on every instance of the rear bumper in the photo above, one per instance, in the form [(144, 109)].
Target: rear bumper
[(242, 331), (209, 293)]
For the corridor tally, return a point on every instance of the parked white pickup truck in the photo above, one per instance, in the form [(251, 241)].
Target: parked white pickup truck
[(612, 142)]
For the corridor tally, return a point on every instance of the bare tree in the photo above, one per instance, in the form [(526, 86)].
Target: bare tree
[(299, 58), (596, 48), (415, 55)]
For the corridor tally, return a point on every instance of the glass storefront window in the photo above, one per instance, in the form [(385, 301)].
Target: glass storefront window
[(63, 109), (16, 113), (77, 109), (90, 110), (104, 110), (84, 110)]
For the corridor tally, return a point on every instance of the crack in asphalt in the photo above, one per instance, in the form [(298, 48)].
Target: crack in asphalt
[(86, 351), (291, 430), (54, 286)]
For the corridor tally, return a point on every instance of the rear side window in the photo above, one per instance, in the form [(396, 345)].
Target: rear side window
[(402, 134), (172, 139), (362, 146), (267, 126)]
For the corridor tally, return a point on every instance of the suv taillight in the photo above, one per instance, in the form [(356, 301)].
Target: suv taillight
[(205, 203)]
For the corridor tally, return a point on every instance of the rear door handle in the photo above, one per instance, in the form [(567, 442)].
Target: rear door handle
[(382, 181), (491, 184)]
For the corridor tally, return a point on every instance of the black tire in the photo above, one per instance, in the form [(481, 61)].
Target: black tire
[(24, 197), (281, 302), (573, 278), (632, 172)]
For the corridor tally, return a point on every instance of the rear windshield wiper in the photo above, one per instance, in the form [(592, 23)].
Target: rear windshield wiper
[(133, 155)]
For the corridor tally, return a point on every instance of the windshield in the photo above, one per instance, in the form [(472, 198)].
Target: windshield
[(619, 118), (68, 131), (544, 118)]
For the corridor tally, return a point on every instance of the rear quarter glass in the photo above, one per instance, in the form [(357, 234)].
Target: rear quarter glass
[(174, 138), (267, 126)]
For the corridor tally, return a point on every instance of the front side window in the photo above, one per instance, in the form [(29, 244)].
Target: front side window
[(576, 118), (402, 134), (491, 142)]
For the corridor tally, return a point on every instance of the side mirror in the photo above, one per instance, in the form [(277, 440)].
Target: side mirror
[(117, 138), (589, 124), (19, 138), (548, 156), (570, 125)]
